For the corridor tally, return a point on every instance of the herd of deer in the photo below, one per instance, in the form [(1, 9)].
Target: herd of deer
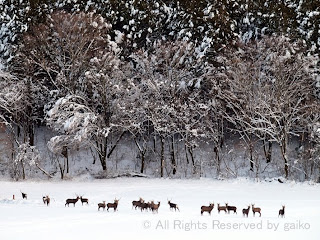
[(228, 208), (154, 207)]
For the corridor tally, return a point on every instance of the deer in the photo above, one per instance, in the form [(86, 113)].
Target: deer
[(207, 208), (222, 208), (46, 200), (145, 206), (72, 200), (254, 210), (155, 207), (24, 195), (113, 205), (84, 200), (231, 208), (173, 206), (281, 211), (102, 205), (136, 204), (245, 211)]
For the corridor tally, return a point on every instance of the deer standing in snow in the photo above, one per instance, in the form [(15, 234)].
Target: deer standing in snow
[(102, 205), (207, 208), (46, 200), (72, 200), (173, 205), (222, 208), (281, 212), (231, 208), (245, 211), (113, 205), (254, 210)]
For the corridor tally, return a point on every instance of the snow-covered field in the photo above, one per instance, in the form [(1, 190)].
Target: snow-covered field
[(31, 219)]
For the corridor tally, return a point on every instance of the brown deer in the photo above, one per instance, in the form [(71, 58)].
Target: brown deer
[(245, 211), (254, 210), (231, 208), (46, 200), (24, 195), (84, 200), (155, 207), (173, 205), (222, 208), (145, 206), (136, 204), (281, 212), (102, 205), (72, 200), (113, 205), (207, 208)]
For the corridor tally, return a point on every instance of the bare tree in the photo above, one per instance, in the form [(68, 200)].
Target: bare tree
[(27, 157), (167, 82), (60, 49), (74, 61), (270, 88)]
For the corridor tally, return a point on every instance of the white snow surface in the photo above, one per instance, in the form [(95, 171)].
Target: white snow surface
[(31, 219)]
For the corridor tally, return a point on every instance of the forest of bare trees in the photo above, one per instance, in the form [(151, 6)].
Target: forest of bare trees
[(96, 90)]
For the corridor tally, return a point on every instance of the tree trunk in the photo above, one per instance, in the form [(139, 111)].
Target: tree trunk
[(173, 157), (31, 134), (93, 153), (65, 154), (115, 145), (23, 172), (142, 152), (44, 171), (61, 167), (67, 160), (18, 131), (162, 156), (103, 161), (190, 150), (103, 153), (142, 162), (251, 156), (285, 156), (218, 161), (267, 151), (186, 151)]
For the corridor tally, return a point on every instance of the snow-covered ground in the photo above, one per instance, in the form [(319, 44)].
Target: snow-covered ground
[(31, 219)]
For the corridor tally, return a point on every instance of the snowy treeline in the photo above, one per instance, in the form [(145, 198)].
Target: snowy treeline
[(211, 25), (159, 75)]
